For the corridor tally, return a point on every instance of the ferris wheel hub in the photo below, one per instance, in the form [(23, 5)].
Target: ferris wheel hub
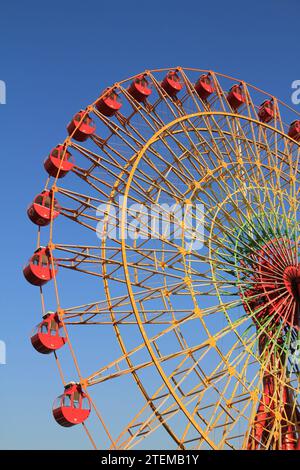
[(274, 290), (291, 278)]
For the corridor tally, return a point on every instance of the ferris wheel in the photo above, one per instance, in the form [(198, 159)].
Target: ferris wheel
[(168, 227)]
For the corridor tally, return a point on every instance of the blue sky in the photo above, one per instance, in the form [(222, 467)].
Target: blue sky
[(55, 58)]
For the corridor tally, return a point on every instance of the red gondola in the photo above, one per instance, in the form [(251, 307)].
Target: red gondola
[(266, 111), (109, 104), (81, 127), (39, 212), (139, 89), (204, 86), (171, 83), (72, 407), (39, 269), (294, 130), (48, 335), (59, 162), (236, 97)]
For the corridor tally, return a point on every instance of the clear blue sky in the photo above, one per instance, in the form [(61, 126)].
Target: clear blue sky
[(55, 58)]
